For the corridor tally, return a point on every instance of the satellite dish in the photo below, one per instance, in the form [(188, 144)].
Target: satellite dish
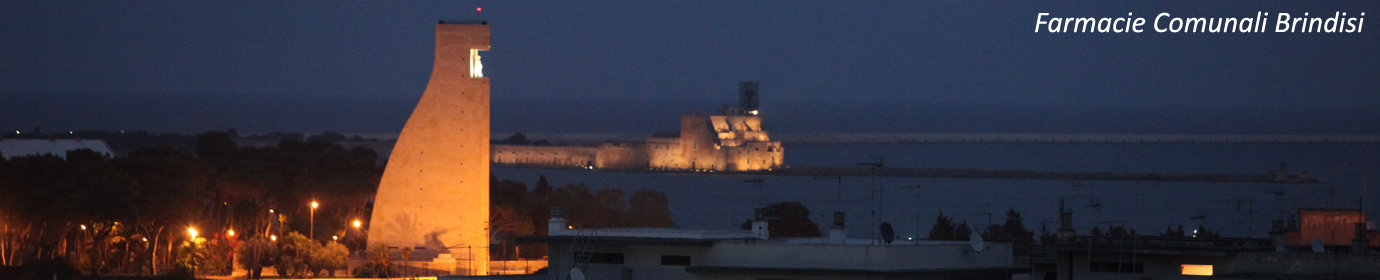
[(576, 274), (888, 234), (1318, 246), (976, 240)]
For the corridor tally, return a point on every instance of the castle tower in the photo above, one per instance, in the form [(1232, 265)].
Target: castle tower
[(434, 194), (747, 96)]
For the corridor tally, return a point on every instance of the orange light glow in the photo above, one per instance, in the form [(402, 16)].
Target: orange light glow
[(1197, 269), (357, 223), (273, 237)]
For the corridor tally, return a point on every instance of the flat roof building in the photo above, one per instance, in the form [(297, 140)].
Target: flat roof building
[(668, 253)]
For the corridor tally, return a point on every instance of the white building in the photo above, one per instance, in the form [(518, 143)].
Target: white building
[(666, 253)]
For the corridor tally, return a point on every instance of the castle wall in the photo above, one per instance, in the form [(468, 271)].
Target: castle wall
[(544, 155), (754, 156), (621, 156), (605, 156), (664, 153), (434, 192)]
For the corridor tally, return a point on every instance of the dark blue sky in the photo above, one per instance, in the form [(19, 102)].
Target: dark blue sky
[(631, 66)]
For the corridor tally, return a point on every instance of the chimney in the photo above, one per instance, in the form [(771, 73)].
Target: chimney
[(1065, 222), (760, 231), (557, 222), (838, 233)]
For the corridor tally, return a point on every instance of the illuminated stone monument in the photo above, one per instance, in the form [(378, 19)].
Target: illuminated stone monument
[(434, 195)]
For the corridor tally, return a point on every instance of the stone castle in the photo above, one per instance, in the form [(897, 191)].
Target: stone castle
[(732, 140)]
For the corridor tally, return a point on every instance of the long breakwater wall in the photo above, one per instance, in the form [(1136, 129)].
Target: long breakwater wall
[(916, 138)]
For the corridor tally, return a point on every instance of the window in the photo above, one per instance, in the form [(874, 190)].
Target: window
[(675, 260), (608, 258), (1116, 267), (1196, 269)]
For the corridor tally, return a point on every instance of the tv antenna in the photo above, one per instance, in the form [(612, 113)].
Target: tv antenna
[(1249, 202), (759, 190), (879, 164)]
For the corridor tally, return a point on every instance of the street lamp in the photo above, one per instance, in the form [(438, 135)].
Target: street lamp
[(191, 232), (357, 224), (313, 220)]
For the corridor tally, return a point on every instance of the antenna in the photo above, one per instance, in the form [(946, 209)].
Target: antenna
[(1250, 213), (840, 188), (879, 164), (759, 190)]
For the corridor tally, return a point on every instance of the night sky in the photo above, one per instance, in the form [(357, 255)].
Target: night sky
[(632, 66)]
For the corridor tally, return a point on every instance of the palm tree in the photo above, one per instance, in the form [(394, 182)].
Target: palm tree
[(407, 256)]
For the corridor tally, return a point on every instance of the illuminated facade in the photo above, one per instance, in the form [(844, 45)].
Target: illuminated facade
[(434, 194), (732, 140)]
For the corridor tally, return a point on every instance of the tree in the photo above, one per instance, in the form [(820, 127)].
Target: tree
[(379, 265), (215, 145), (407, 259), (296, 253), (255, 254), (330, 258), (787, 219), (943, 228), (648, 208)]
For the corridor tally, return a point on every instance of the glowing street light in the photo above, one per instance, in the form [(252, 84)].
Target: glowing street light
[(231, 233), (83, 227), (357, 223), (192, 232), (313, 220), (273, 237), (335, 237)]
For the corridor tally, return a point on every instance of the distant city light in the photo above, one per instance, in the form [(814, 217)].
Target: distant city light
[(754, 112), (478, 9), (335, 237), (83, 227), (273, 237), (231, 232), (146, 239)]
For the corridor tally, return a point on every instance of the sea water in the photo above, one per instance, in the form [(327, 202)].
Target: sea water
[(911, 204)]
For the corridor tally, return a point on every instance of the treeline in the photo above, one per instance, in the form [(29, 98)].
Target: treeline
[(517, 210), (134, 214), (1012, 230)]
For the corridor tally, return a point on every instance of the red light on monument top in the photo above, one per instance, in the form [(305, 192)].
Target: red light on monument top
[(478, 9)]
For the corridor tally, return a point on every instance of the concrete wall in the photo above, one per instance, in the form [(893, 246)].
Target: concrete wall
[(435, 189)]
